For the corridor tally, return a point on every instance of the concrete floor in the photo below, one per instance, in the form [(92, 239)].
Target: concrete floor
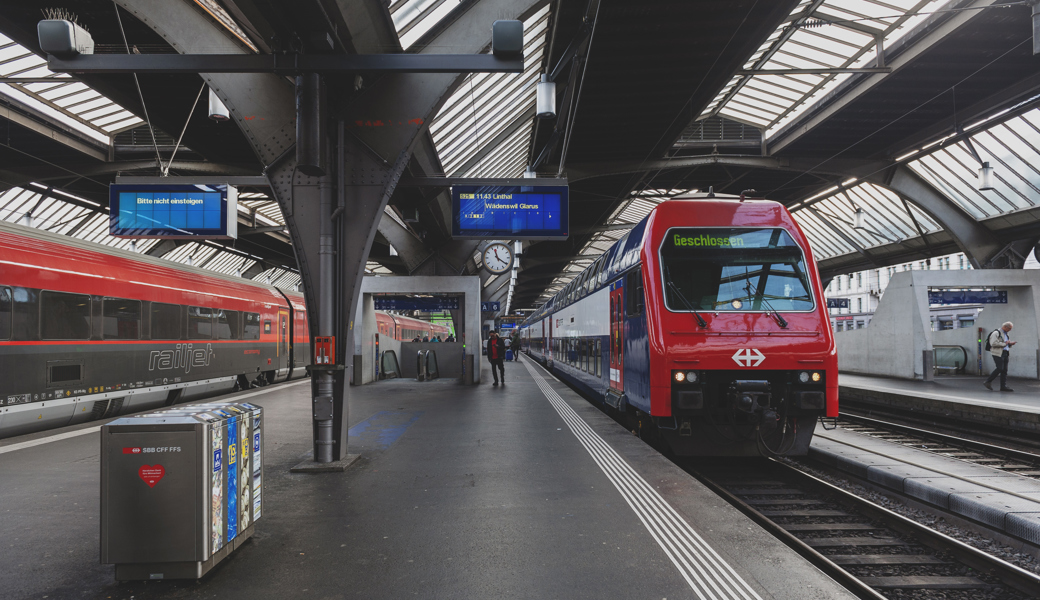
[(461, 492)]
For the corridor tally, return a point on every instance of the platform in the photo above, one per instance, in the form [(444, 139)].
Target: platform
[(1004, 501), (518, 491), (960, 397)]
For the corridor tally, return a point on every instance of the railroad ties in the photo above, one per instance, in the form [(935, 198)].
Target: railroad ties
[(869, 550)]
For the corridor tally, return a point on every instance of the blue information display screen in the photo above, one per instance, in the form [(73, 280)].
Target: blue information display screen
[(514, 212), (173, 211)]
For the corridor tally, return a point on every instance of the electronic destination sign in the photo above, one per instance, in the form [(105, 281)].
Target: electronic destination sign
[(510, 212), (173, 211)]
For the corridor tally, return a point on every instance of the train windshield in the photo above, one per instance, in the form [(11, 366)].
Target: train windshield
[(734, 270)]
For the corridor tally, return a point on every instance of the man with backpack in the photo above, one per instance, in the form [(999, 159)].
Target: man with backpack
[(999, 345)]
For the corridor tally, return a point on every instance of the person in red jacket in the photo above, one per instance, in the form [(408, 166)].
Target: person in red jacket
[(496, 353)]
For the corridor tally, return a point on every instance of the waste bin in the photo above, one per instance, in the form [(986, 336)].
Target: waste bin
[(180, 488)]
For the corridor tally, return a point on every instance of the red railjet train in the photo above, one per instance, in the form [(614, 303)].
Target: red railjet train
[(707, 323), (407, 329), (88, 332)]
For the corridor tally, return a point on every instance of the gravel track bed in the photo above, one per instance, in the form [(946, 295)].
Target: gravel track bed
[(1021, 559)]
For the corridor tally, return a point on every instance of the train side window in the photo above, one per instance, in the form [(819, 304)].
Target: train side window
[(635, 293), (599, 358), (166, 321), (64, 316), (227, 325), (121, 318), (6, 313), (200, 323), (251, 327)]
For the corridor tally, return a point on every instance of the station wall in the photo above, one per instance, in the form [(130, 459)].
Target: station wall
[(894, 341)]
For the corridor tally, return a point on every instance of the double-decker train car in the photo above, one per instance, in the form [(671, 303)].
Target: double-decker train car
[(706, 322), (406, 329), (89, 332)]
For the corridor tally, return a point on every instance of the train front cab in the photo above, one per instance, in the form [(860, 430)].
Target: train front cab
[(755, 377)]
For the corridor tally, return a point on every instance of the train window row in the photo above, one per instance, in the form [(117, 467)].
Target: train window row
[(66, 316), (580, 354)]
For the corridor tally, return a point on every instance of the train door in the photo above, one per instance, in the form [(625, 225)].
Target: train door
[(283, 339), (617, 331), (549, 347)]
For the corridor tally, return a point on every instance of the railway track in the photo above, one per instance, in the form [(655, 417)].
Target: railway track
[(1020, 462), (872, 551), (943, 425)]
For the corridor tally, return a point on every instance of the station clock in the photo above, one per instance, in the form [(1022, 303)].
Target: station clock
[(498, 258)]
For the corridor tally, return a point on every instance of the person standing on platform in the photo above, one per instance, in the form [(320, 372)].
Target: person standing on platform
[(999, 345), (496, 353)]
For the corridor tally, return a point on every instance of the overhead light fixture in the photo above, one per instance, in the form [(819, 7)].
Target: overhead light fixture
[(217, 111), (985, 177), (530, 174), (64, 38), (26, 220), (546, 98), (859, 218)]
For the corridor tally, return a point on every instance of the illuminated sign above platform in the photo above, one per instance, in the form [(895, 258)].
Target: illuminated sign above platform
[(526, 211), (173, 211)]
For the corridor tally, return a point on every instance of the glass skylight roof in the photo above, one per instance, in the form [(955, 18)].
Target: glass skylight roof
[(886, 220), (413, 18), (772, 101), (1013, 150), (484, 107), (68, 101)]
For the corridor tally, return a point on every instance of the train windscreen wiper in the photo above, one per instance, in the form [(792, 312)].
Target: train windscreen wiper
[(752, 292), (689, 305)]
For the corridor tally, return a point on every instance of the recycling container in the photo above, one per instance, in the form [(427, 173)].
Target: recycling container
[(181, 488)]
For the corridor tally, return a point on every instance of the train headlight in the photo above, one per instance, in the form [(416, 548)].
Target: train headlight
[(680, 376), (816, 377), (691, 376), (803, 377)]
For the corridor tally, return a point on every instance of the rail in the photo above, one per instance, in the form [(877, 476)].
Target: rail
[(949, 360)]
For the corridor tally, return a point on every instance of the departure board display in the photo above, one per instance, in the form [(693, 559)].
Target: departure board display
[(514, 212), (173, 211)]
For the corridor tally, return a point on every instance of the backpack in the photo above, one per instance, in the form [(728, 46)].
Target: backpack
[(990, 336)]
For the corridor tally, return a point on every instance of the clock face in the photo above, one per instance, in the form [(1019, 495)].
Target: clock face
[(498, 258)]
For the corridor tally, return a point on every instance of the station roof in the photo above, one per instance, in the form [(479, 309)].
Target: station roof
[(829, 106)]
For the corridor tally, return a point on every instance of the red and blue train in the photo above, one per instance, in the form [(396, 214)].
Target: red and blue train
[(88, 332), (706, 323)]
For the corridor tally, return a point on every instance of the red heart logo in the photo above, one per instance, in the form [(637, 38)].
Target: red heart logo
[(151, 474)]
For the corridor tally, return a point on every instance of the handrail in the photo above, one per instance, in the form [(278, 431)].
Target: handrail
[(391, 369), (950, 357), (420, 366), (431, 373)]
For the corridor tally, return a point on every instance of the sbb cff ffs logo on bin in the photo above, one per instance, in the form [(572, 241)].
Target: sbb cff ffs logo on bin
[(180, 489)]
